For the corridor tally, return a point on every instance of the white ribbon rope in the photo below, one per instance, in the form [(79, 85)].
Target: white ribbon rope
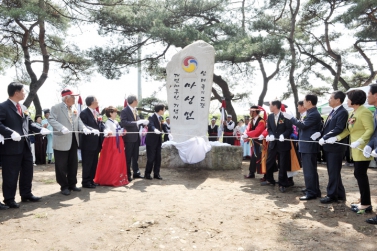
[(294, 140)]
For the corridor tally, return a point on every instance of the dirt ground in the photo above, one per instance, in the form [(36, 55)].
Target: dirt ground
[(189, 210)]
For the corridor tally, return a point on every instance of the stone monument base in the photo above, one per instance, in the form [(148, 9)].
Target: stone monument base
[(220, 158)]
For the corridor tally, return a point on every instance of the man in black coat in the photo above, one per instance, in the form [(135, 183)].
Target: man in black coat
[(153, 143), (166, 129), (309, 131), (91, 144), (16, 156), (333, 126), (278, 128), (131, 122)]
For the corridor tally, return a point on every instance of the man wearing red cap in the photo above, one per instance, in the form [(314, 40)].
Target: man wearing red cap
[(66, 123)]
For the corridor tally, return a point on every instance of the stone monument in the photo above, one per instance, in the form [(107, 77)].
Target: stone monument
[(189, 87)]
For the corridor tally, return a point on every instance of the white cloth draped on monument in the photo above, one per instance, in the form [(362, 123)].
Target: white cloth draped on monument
[(191, 151)]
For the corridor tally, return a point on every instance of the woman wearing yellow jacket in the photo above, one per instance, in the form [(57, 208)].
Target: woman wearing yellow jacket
[(360, 127)]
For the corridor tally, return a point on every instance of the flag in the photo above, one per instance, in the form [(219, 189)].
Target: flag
[(79, 105)]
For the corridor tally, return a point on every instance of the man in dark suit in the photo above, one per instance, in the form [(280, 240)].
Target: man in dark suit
[(166, 129), (309, 131), (333, 126), (131, 121), (153, 143), (91, 144), (16, 156), (278, 128)]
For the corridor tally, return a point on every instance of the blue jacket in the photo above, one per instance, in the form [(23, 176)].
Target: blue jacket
[(308, 126)]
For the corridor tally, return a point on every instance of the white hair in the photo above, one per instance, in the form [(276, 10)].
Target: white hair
[(65, 97)]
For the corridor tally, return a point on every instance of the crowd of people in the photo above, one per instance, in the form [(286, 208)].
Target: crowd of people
[(271, 149), (110, 150)]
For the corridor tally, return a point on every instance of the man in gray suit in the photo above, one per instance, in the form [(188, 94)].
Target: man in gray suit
[(65, 120)]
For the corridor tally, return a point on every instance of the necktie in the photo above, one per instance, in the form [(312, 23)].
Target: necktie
[(134, 112), (276, 118), (19, 109), (94, 114), (329, 117), (159, 120)]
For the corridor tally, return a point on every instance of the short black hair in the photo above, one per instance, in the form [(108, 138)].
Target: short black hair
[(14, 87), (159, 107), (312, 98), (339, 95), (276, 103), (300, 103), (373, 88), (256, 109), (89, 100), (357, 97), (37, 116)]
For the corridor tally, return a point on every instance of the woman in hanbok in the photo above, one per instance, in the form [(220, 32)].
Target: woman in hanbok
[(112, 168), (40, 144)]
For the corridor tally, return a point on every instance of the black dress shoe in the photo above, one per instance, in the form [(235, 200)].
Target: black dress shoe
[(266, 183), (282, 189), (65, 192), (89, 186), (76, 189), (12, 204), (96, 184), (138, 176), (361, 211), (328, 200), (249, 176), (129, 179), (3, 207), (303, 190), (157, 177), (290, 184), (31, 198), (308, 198), (372, 220), (148, 177)]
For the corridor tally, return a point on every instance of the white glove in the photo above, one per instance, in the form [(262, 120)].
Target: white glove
[(281, 138), (268, 138), (355, 144), (321, 142), (2, 139), (139, 122), (374, 154), (45, 131), (95, 132), (86, 131), (157, 131), (367, 151), (315, 135), (272, 138), (170, 137), (261, 137), (287, 115), (331, 140), (15, 136), (145, 122), (64, 130), (142, 121), (244, 136)]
